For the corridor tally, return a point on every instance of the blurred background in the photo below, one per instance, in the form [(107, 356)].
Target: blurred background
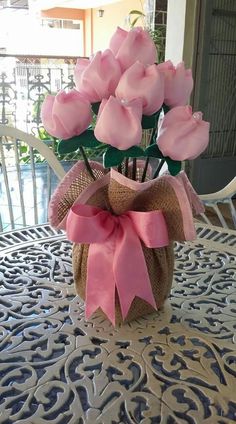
[(40, 41)]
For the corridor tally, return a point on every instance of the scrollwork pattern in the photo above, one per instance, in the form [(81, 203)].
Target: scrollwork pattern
[(175, 366)]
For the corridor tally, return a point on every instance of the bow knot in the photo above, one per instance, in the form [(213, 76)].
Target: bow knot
[(115, 257)]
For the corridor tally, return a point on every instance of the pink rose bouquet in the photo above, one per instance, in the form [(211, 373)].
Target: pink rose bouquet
[(178, 83), (128, 117), (60, 114), (131, 46), (144, 82), (121, 215), (97, 77), (182, 134)]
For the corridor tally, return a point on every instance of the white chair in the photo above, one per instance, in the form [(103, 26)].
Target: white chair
[(28, 171), (222, 206)]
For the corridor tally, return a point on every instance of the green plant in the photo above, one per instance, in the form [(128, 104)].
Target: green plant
[(158, 34), (159, 37), (135, 15)]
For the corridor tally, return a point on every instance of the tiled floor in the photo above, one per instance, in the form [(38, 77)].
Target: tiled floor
[(42, 195), (225, 212)]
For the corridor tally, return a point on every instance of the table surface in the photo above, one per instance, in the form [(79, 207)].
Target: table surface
[(174, 366)]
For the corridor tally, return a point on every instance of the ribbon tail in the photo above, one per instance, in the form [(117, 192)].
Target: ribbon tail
[(100, 286), (130, 270)]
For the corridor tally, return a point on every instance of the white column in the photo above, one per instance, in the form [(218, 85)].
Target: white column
[(149, 11), (176, 13), (182, 21)]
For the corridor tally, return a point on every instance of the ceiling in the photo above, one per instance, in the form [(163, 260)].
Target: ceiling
[(75, 4)]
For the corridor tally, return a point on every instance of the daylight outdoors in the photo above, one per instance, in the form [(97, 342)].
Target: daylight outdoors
[(117, 211)]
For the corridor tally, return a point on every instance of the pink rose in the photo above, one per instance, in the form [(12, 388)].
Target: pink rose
[(134, 45), (117, 39), (178, 83), (66, 114), (97, 77), (119, 123), (145, 82), (183, 135)]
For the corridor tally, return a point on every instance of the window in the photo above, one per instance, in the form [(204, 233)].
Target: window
[(61, 23)]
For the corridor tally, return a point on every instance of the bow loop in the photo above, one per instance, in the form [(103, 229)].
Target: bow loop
[(88, 224), (115, 257), (150, 227)]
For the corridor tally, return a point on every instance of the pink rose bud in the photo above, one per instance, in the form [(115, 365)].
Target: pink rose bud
[(183, 135), (97, 77), (119, 123), (145, 82), (66, 114), (178, 83), (117, 39), (136, 45)]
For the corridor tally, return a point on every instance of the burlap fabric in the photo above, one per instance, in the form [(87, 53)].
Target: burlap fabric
[(120, 197)]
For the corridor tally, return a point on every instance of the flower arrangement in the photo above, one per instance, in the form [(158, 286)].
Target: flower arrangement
[(122, 216)]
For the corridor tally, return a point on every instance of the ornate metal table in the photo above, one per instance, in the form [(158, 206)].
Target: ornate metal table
[(176, 366)]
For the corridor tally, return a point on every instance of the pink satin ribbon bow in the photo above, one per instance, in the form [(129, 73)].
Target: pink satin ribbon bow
[(115, 259)]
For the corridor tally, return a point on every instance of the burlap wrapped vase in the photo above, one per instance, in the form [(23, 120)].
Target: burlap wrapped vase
[(113, 191)]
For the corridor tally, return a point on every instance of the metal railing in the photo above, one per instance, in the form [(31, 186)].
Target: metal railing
[(24, 82)]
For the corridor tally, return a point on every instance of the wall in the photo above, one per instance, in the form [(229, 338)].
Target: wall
[(214, 93), (98, 31), (181, 31), (191, 33), (114, 15), (88, 33), (71, 14), (63, 13), (175, 30), (23, 34)]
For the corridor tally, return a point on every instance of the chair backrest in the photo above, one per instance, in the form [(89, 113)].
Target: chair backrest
[(29, 170), (220, 206)]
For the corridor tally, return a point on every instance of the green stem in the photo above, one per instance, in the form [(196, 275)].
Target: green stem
[(160, 165), (119, 168), (145, 169), (126, 167), (165, 108), (134, 169), (86, 162), (147, 159), (152, 135)]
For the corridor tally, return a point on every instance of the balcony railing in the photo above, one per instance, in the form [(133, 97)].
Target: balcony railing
[(24, 83)]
